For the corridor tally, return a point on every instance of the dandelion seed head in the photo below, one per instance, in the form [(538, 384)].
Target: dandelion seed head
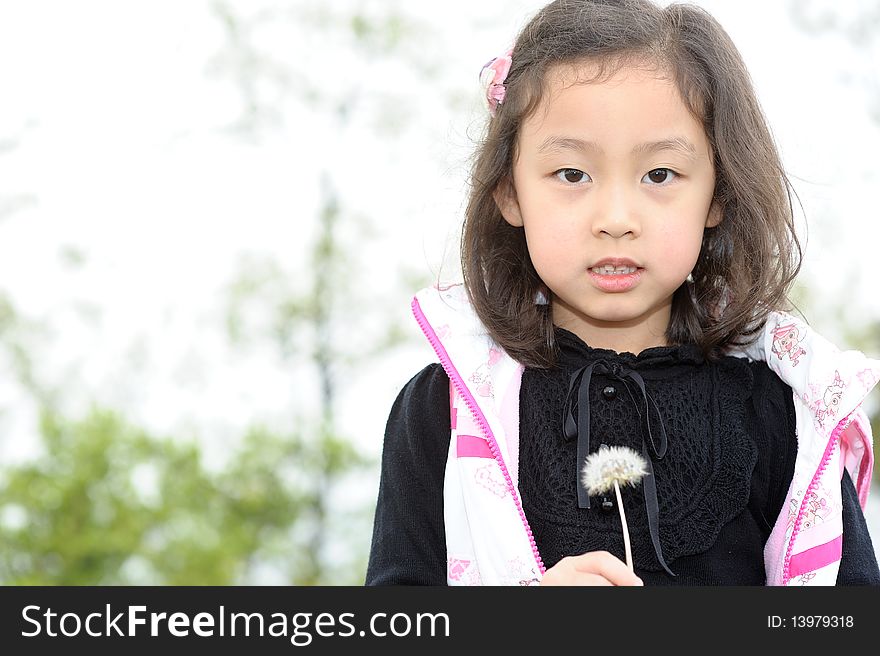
[(612, 464)]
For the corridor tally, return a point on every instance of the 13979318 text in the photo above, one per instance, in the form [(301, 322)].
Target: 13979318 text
[(810, 622)]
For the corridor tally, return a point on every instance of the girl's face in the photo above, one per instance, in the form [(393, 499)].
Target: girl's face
[(614, 175)]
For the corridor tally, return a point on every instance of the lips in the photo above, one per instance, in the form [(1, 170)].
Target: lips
[(615, 262), (615, 274)]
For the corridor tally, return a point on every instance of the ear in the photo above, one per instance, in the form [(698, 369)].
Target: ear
[(508, 205), (715, 215)]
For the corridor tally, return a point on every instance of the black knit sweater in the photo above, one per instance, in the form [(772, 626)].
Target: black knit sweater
[(720, 485)]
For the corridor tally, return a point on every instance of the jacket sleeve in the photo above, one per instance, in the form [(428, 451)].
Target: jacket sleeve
[(409, 544), (858, 562)]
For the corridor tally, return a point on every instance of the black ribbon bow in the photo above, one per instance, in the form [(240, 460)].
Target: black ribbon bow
[(576, 424)]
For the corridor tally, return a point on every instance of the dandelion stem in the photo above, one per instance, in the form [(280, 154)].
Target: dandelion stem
[(626, 546)]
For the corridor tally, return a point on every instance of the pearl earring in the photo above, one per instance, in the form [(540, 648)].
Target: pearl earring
[(690, 278)]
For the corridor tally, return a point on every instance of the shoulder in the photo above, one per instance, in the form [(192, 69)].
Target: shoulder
[(768, 404), (768, 389), (419, 418), (423, 390), (755, 378), (771, 405), (773, 428)]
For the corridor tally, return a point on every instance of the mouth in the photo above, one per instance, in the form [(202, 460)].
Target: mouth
[(615, 275)]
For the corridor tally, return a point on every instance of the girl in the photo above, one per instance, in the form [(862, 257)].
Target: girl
[(627, 253)]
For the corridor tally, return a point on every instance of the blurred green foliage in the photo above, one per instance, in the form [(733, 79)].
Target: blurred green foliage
[(108, 504)]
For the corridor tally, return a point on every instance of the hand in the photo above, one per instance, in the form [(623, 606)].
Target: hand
[(591, 568)]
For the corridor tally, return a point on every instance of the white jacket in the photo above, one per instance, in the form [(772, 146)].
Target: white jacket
[(488, 539)]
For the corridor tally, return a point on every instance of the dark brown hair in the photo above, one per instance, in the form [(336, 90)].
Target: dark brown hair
[(746, 264)]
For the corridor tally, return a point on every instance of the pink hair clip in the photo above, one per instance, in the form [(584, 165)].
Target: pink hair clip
[(492, 78)]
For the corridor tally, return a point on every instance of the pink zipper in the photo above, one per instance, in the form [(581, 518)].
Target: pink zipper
[(477, 413), (814, 483)]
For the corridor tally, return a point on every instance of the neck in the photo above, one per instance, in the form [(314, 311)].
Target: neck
[(625, 336)]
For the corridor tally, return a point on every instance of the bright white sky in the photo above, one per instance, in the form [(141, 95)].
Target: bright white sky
[(121, 145)]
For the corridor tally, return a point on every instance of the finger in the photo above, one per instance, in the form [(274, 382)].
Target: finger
[(607, 566), (574, 578)]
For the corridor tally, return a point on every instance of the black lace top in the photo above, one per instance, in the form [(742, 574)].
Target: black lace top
[(719, 486), (703, 480)]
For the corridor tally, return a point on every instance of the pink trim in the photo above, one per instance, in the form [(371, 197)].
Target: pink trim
[(480, 418), (471, 446), (453, 411), (814, 482), (815, 558), (863, 480)]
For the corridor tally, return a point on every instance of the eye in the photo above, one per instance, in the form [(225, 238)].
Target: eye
[(660, 176), (572, 176)]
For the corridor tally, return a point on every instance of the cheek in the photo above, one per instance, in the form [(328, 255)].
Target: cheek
[(546, 248), (551, 240), (677, 251)]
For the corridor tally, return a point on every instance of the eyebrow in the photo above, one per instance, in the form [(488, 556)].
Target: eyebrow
[(555, 144)]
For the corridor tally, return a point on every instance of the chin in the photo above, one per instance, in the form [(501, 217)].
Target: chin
[(613, 314), (623, 320)]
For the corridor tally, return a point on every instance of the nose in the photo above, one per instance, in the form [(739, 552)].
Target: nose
[(615, 212)]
